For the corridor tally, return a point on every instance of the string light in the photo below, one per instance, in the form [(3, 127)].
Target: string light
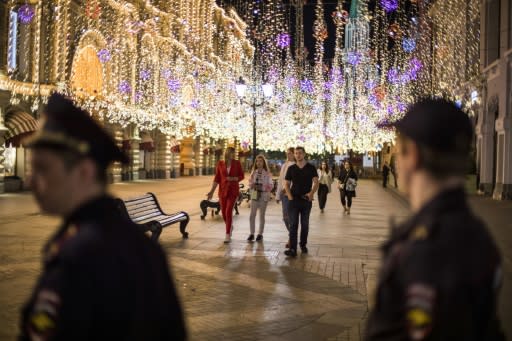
[(173, 67)]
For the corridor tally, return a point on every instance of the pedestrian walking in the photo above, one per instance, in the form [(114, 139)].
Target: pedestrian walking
[(347, 183), (228, 174), (433, 285), (281, 193), (102, 278), (325, 180), (385, 174), (301, 183), (261, 185)]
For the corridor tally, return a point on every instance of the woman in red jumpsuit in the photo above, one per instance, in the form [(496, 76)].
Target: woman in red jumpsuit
[(228, 174)]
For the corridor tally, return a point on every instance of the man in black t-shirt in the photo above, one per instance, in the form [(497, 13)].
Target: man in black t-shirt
[(301, 183)]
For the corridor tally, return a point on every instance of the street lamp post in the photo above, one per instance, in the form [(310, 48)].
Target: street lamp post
[(241, 89)]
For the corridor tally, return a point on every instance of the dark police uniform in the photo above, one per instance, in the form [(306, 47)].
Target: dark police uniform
[(439, 278), (102, 278), (441, 270)]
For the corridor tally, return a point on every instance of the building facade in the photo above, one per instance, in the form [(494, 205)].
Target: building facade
[(494, 121), (145, 69), (468, 47)]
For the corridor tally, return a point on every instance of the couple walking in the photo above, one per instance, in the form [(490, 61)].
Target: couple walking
[(347, 182), (297, 185), (228, 174)]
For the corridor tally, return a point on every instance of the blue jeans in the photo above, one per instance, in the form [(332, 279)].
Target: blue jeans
[(299, 208), (284, 203)]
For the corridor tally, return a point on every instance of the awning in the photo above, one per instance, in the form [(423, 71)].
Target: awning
[(19, 125)]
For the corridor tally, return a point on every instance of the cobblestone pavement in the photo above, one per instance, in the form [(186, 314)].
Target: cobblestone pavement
[(240, 291)]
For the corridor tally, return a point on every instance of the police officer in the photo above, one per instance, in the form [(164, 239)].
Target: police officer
[(102, 278), (441, 270)]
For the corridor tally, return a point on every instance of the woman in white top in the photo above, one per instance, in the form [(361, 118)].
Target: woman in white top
[(325, 180), (260, 184)]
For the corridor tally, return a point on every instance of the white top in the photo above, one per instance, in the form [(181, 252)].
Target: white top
[(325, 178), (282, 174)]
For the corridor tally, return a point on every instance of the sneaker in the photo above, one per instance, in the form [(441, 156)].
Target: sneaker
[(227, 240), (304, 249), (251, 238), (259, 238), (291, 253)]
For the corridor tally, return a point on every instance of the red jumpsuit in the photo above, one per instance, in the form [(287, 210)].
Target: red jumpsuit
[(228, 190)]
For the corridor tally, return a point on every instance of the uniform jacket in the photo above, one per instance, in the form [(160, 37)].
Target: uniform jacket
[(102, 279), (440, 277), (266, 182), (228, 188)]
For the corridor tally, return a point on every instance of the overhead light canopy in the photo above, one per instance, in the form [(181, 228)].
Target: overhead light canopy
[(241, 88)]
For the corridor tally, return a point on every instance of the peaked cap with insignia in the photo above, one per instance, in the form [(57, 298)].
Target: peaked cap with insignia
[(67, 127)]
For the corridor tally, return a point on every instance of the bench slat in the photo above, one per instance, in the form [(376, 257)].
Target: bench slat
[(147, 217), (148, 201), (139, 199), (145, 209), (143, 213), (142, 209)]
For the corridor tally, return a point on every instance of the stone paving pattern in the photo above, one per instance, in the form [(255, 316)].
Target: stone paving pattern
[(246, 291)]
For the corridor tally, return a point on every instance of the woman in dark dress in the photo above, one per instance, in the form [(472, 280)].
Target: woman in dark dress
[(347, 185)]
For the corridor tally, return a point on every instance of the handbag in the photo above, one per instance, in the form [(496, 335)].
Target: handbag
[(351, 185), (255, 194)]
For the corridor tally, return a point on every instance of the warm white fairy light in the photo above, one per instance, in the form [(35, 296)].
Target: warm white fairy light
[(173, 68)]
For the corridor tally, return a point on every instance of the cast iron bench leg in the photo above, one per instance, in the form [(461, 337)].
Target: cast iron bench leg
[(183, 226)]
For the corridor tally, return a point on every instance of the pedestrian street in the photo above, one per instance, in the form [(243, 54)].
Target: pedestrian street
[(237, 291)]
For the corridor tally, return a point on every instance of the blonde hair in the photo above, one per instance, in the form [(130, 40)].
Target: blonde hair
[(264, 162)]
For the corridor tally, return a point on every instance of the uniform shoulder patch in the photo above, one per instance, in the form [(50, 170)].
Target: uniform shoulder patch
[(419, 233), (43, 318)]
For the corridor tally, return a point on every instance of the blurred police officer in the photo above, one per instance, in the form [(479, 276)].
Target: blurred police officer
[(102, 278), (441, 270)]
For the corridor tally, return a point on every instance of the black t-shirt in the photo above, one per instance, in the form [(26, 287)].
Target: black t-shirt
[(301, 179)]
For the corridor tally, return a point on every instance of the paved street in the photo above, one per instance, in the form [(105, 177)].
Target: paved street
[(245, 291)]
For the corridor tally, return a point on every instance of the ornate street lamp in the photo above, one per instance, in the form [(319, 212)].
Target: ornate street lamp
[(268, 90)]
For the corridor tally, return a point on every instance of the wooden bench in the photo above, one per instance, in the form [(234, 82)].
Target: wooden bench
[(145, 211)]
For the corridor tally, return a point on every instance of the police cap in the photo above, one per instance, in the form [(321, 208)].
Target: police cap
[(67, 127), (436, 123)]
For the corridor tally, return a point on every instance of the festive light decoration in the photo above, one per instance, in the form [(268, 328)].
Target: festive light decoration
[(353, 57), (104, 55), (283, 40), (409, 44), (125, 87), (173, 85), (26, 14), (306, 85), (174, 71), (339, 17), (145, 75), (389, 5)]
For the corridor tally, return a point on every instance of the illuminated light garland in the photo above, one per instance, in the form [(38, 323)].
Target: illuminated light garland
[(283, 40), (389, 5), (409, 44), (307, 86), (26, 14), (104, 55), (192, 69), (125, 87)]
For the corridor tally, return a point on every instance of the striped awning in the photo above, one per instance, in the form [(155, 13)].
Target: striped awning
[(19, 124)]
